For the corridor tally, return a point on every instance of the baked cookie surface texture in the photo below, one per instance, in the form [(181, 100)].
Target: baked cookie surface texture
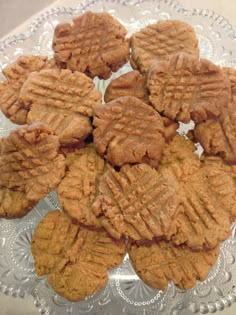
[(30, 167), (75, 259), (94, 44)]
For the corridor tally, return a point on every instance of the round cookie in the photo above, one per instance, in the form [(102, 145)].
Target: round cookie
[(218, 136), (161, 262), (78, 188), (128, 131), (184, 87), (204, 220), (16, 74), (138, 201), (94, 44), (75, 259), (63, 100), (30, 168), (157, 41), (209, 203)]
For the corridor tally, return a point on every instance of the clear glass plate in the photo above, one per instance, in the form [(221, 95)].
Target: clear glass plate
[(125, 293)]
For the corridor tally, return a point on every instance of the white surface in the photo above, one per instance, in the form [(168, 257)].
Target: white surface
[(13, 13)]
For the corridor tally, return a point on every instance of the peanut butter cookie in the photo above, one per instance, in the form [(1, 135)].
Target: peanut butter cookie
[(137, 201), (78, 189), (63, 100), (161, 262), (209, 190), (75, 259), (16, 74), (157, 41), (184, 87), (128, 131), (30, 168), (94, 44), (209, 203)]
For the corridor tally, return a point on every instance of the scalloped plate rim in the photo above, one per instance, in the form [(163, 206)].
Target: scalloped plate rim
[(33, 26)]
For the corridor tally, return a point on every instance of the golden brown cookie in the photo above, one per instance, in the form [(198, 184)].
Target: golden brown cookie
[(231, 75), (218, 136), (94, 44), (209, 189), (137, 201), (128, 131), (78, 189), (63, 100), (161, 262), (16, 74), (184, 87), (75, 259), (30, 168), (209, 207), (157, 41), (128, 84)]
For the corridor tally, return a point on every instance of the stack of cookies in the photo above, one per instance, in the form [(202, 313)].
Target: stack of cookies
[(126, 180)]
